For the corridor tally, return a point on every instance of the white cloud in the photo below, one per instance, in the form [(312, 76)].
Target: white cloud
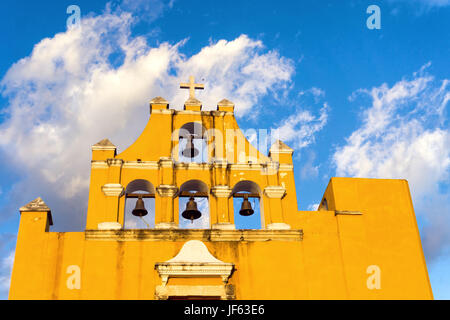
[(67, 95), (405, 135), (426, 3), (309, 170), (313, 207), (5, 271), (299, 129)]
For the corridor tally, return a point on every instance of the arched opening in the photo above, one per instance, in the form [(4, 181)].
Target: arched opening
[(136, 189), (192, 146), (199, 192), (246, 219)]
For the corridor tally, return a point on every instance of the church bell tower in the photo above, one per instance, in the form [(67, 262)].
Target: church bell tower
[(193, 165)]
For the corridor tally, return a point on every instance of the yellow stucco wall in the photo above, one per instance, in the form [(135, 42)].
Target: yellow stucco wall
[(365, 222)]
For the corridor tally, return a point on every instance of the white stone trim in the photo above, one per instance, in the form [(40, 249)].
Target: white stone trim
[(275, 192), (192, 166), (164, 292), (37, 205), (167, 190), (162, 111), (113, 189), (109, 226), (193, 260), (114, 162), (278, 226), (96, 164), (103, 148), (166, 225), (165, 162), (286, 167), (189, 270), (189, 112), (347, 212), (247, 166), (214, 235), (152, 165), (221, 191), (223, 226)]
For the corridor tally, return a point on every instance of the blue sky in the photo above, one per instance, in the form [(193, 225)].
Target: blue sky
[(351, 101)]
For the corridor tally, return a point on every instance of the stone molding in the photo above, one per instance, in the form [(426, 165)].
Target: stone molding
[(286, 167), (166, 225), (37, 205), (96, 164), (223, 226), (195, 234), (159, 100), (114, 162), (193, 166), (279, 147), (278, 226), (226, 292), (167, 190), (194, 260), (113, 189), (166, 162), (275, 192), (346, 212), (219, 163), (221, 191), (152, 165), (103, 145), (109, 226), (163, 111)]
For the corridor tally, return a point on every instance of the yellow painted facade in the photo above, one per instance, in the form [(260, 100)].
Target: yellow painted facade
[(362, 243)]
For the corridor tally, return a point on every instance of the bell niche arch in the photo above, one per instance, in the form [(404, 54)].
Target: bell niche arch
[(139, 205), (247, 205), (194, 205), (192, 143)]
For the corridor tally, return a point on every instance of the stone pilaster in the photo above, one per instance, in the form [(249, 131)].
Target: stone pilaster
[(274, 210), (164, 207), (223, 219), (112, 191)]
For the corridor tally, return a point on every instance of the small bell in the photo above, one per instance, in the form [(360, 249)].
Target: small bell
[(139, 210), (246, 208), (191, 212), (190, 151)]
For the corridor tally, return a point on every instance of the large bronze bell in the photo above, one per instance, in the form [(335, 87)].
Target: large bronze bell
[(139, 210), (246, 208), (191, 212), (190, 151)]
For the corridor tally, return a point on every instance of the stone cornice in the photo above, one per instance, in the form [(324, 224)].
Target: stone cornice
[(104, 144), (275, 192), (221, 191), (165, 162), (37, 205), (286, 167), (113, 189), (151, 165), (346, 212), (114, 162), (166, 190), (193, 165), (163, 111), (194, 234), (99, 164)]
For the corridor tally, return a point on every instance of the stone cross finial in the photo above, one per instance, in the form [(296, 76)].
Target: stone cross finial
[(192, 86)]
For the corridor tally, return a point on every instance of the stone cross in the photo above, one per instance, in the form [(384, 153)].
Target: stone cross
[(192, 86)]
